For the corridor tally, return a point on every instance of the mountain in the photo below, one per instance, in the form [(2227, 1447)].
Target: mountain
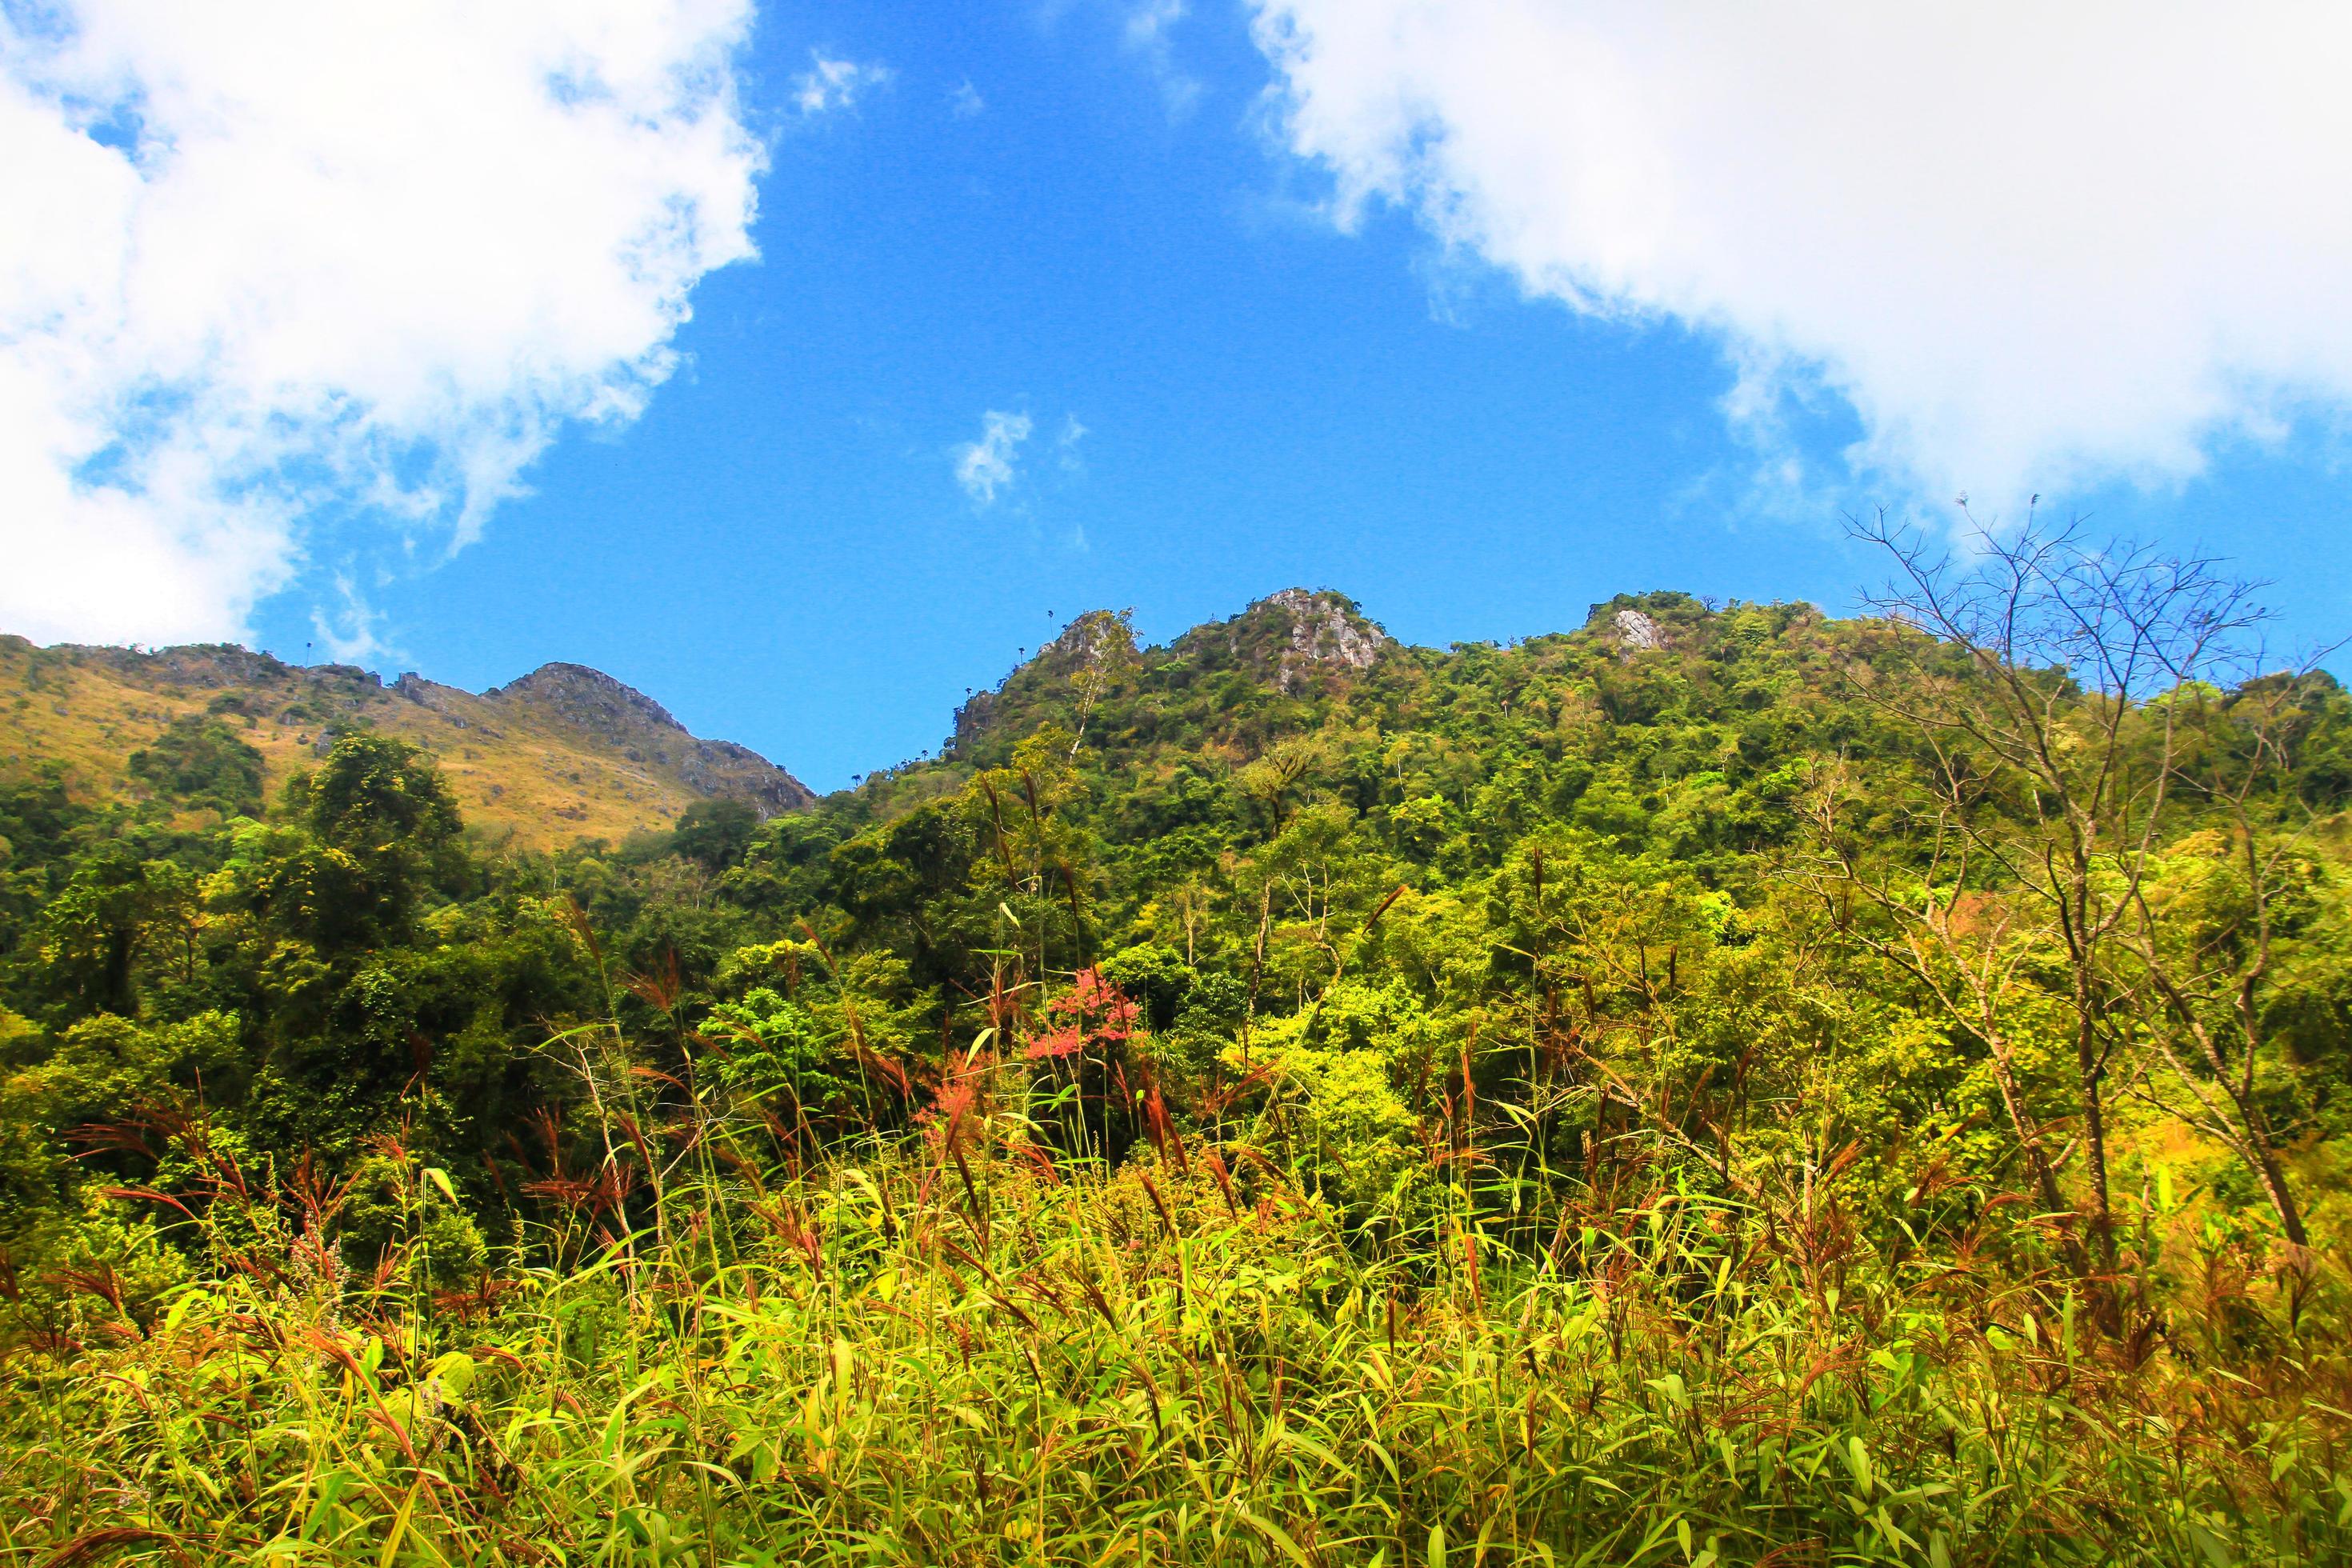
[(565, 752)]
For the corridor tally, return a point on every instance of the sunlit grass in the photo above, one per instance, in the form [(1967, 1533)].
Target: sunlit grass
[(878, 1360)]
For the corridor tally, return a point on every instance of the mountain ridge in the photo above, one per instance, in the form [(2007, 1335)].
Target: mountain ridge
[(566, 751), (562, 753)]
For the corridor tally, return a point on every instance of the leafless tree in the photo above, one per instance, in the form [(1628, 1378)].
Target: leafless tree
[(2055, 772)]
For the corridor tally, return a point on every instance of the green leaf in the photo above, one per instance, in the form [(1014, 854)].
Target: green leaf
[(2216, 1550), (1277, 1534), (454, 1371)]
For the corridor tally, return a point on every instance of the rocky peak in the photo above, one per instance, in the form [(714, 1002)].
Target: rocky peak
[(621, 718), (1310, 629), (589, 698), (1095, 638)]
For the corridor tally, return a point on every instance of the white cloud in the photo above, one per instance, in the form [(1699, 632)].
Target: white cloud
[(302, 264), (965, 102), (829, 84), (350, 629), (990, 465), (1066, 444), (1149, 23), (2033, 244)]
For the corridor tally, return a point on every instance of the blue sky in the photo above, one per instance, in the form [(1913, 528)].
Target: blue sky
[(1093, 217)]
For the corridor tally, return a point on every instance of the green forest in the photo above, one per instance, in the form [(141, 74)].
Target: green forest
[(1719, 1085)]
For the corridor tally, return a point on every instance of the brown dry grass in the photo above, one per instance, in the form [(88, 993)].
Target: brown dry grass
[(544, 783)]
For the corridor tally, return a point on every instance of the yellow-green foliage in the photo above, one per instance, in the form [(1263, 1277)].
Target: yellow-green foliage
[(1335, 1114), (876, 1363)]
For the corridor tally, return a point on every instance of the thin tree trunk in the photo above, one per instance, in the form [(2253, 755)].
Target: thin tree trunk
[(2282, 1197), (2251, 1138), (2029, 1138), (2100, 1216), (2261, 1155)]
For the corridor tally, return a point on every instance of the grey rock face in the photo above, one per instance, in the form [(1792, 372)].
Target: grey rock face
[(1638, 633), (1322, 632), (1292, 640), (972, 717)]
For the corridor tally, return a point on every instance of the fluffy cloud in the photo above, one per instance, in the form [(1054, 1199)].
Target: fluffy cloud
[(2030, 243), (305, 266), (985, 467)]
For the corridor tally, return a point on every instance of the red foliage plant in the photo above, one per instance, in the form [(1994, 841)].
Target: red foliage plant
[(1093, 1012)]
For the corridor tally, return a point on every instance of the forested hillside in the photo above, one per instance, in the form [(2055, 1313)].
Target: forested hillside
[(1720, 1084)]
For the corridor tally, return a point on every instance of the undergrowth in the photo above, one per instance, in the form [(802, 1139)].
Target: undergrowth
[(962, 1351)]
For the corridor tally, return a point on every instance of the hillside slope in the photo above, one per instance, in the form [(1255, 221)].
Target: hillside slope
[(565, 752)]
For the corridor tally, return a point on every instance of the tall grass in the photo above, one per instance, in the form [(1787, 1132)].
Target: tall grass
[(957, 1349)]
